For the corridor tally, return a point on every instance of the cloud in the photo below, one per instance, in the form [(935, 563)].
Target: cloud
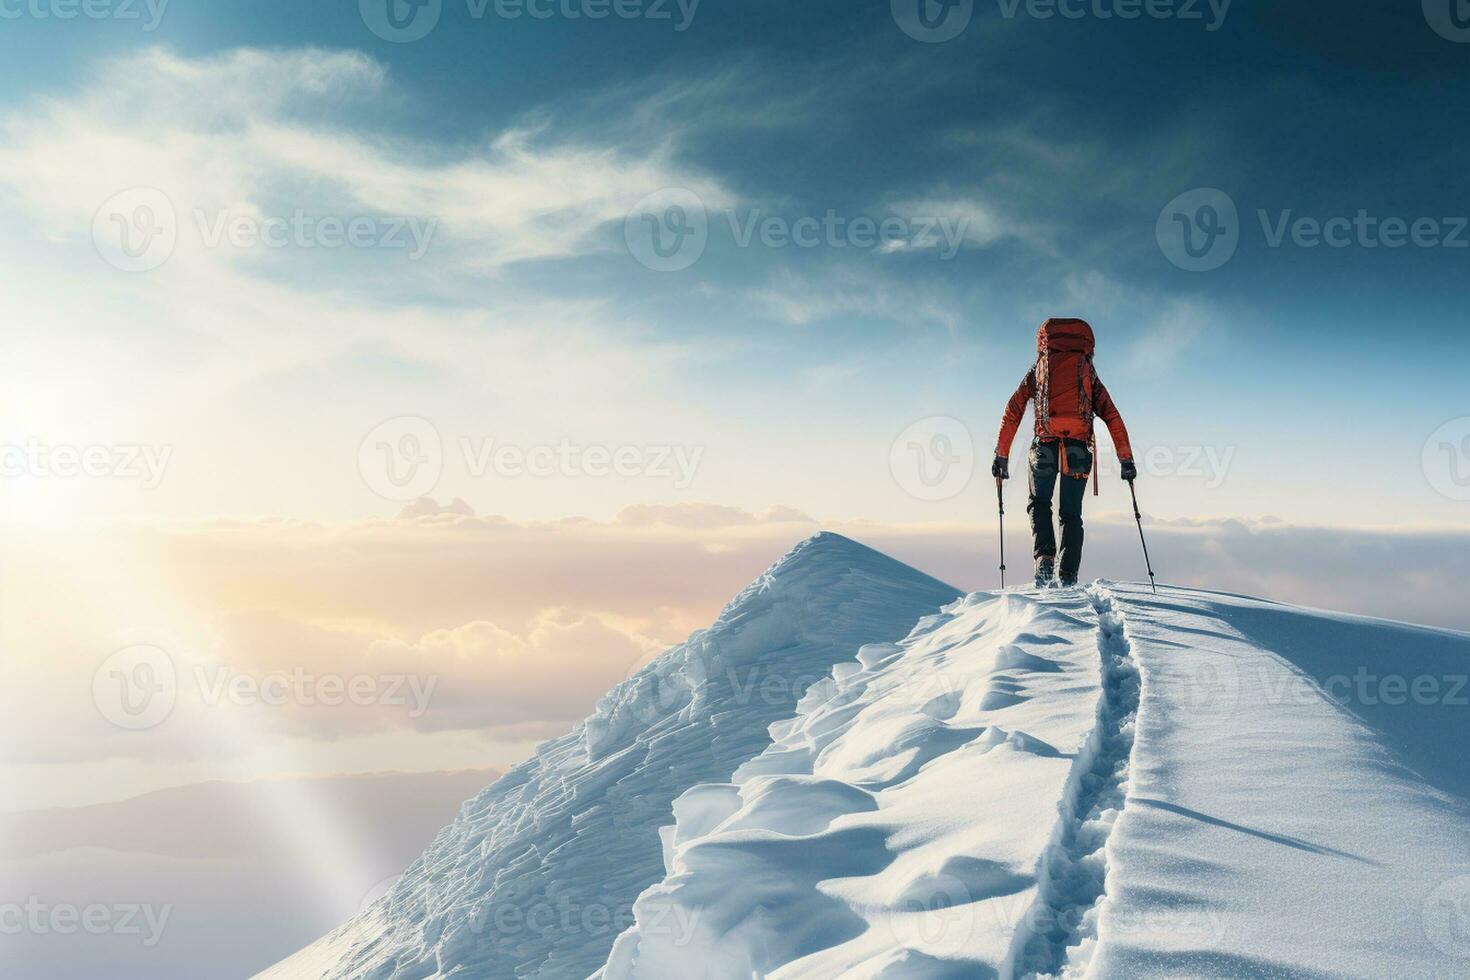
[(1162, 328), (1181, 326), (520, 627), (186, 126), (255, 133), (301, 854), (428, 507), (977, 221), (493, 678), (707, 516), (507, 630), (294, 136), (478, 676), (1410, 574), (839, 293)]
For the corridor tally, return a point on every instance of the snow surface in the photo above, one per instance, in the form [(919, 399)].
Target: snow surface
[(538, 873), (1092, 782), (1296, 808), (894, 827), (1230, 788)]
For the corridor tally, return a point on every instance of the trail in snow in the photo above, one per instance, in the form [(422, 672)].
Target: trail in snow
[(1060, 933), (897, 826)]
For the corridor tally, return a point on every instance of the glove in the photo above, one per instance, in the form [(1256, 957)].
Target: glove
[(1001, 468), (1130, 471)]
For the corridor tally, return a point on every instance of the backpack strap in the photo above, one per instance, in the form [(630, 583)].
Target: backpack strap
[(1043, 392), (1086, 379)]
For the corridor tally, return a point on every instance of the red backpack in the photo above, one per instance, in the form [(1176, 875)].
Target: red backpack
[(1064, 379)]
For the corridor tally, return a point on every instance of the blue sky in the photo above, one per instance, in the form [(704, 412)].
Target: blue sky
[(1063, 138)]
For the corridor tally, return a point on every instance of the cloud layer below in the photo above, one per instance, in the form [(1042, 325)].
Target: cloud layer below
[(511, 631)]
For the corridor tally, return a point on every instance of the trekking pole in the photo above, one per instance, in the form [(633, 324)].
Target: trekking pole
[(1141, 540), (1001, 499)]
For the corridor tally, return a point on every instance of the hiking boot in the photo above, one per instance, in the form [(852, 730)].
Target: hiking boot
[(1067, 581), (1045, 569)]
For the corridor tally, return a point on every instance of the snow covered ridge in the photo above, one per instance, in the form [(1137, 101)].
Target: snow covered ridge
[(1089, 782), (906, 823), (538, 874), (1096, 783)]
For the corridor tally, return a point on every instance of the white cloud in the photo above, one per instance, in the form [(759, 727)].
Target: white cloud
[(428, 507), (708, 516), (801, 299), (978, 222), (1164, 328), (493, 678), (255, 129), (156, 119), (1181, 326), (525, 625), (255, 134)]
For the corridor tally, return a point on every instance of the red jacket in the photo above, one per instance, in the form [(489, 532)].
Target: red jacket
[(1102, 404)]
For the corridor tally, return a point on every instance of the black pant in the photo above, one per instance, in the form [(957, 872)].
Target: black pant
[(1045, 472)]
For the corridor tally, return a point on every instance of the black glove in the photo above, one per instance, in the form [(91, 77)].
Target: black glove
[(1001, 468), (1130, 471)]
